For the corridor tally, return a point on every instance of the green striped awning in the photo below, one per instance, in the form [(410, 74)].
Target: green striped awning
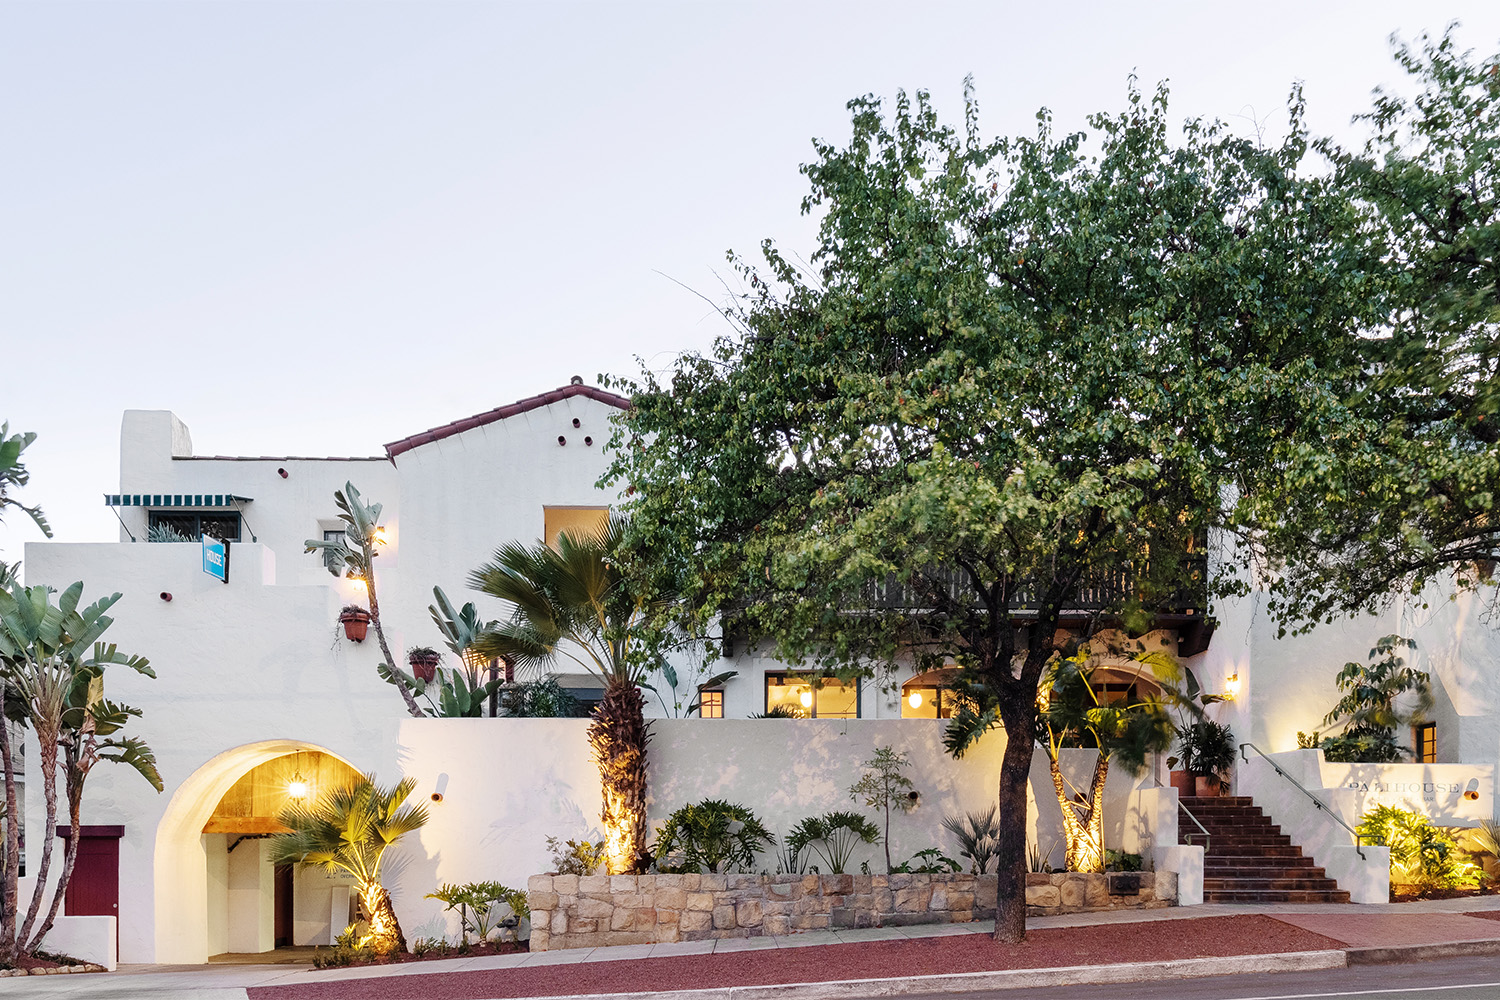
[(173, 500)]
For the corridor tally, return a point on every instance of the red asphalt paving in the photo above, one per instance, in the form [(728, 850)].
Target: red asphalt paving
[(1393, 930), (1099, 944)]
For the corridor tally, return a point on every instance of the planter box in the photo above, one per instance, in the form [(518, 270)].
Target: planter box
[(589, 911)]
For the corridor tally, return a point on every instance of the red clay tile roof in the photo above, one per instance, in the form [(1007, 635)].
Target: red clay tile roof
[(500, 413)]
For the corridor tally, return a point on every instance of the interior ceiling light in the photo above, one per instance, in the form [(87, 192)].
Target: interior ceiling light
[(914, 699), (806, 698)]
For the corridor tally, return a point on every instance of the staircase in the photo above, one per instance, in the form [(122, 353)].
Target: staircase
[(1249, 859)]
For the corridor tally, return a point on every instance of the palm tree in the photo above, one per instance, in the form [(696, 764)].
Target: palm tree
[(13, 475), (576, 603), (348, 831)]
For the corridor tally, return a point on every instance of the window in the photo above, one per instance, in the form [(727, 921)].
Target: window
[(929, 695), (1424, 743), (810, 698), (331, 559), (193, 525), (711, 704), (576, 521)]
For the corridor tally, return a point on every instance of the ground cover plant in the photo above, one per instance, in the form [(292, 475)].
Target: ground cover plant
[(1421, 854), (833, 837)]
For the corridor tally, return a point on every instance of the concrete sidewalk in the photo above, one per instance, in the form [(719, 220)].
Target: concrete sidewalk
[(1370, 932)]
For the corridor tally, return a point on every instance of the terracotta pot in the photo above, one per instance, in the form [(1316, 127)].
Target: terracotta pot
[(356, 625), (1182, 781), (1207, 785), (424, 667)]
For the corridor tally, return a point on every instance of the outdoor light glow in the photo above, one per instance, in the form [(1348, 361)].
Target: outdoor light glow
[(1232, 686), (806, 698), (914, 699), (380, 536), (297, 787)]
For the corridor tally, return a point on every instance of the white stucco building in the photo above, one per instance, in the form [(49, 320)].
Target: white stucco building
[(258, 687)]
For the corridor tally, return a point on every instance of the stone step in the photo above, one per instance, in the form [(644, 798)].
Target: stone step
[(1217, 850), (1277, 896), (1251, 839), (1281, 868), (1240, 883)]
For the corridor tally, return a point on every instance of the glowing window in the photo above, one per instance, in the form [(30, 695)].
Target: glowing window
[(810, 698), (1424, 743), (576, 521), (711, 704)]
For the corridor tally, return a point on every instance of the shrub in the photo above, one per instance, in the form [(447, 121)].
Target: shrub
[(710, 836), (833, 836), (978, 835), (475, 902), (1420, 852), (1207, 748), (930, 861), (1119, 861), (575, 857)]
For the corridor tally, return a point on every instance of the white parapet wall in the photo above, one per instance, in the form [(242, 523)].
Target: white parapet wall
[(88, 939)]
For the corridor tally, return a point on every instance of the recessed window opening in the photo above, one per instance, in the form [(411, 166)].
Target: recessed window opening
[(711, 704), (193, 525), (810, 698), (1424, 743)]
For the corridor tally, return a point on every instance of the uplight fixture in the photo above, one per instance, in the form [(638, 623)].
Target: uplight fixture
[(1232, 686)]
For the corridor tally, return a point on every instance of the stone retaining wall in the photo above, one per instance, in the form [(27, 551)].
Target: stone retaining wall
[(573, 911)]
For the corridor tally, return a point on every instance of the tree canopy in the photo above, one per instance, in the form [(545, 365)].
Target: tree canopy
[(1014, 387)]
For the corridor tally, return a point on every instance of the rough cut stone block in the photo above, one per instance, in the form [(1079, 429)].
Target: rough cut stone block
[(699, 901), (674, 899), (559, 922), (837, 885), (1038, 878), (723, 917), (900, 880), (1096, 892), (565, 885), (632, 900), (748, 913), (913, 900), (540, 936), (594, 909), (593, 883), (810, 884), (1043, 895), (645, 883), (863, 883), (622, 883), (939, 899), (1165, 886), (1071, 892), (985, 891), (578, 927), (776, 923), (668, 935), (780, 890), (810, 921), (541, 900), (539, 883), (841, 916), (696, 920), (957, 900), (692, 882), (744, 881), (667, 917), (711, 883)]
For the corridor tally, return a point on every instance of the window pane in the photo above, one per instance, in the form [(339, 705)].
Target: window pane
[(576, 521), (835, 700), (711, 705), (919, 703), (225, 527), (787, 695)]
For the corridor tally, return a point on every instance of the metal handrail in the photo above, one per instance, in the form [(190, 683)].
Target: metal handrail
[(1315, 800), (1190, 835)]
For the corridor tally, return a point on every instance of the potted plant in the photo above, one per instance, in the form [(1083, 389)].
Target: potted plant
[(356, 622), (1189, 701), (1207, 750), (424, 661)]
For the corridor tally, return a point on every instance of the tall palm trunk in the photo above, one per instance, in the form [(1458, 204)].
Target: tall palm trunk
[(12, 861), (618, 737), (385, 930)]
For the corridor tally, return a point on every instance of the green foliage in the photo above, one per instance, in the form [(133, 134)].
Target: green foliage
[(166, 533), (1420, 852), (833, 837), (476, 903), (1487, 837), (14, 475), (1374, 746), (1207, 748), (689, 700), (542, 699), (978, 836), (779, 712), (350, 947), (575, 857), (710, 836), (1119, 861), (929, 861), (451, 694), (883, 786)]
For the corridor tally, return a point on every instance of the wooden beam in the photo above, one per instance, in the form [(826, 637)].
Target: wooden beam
[(244, 825)]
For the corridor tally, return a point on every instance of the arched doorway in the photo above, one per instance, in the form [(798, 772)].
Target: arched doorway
[(230, 800)]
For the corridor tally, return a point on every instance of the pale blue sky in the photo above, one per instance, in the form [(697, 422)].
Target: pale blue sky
[(311, 228)]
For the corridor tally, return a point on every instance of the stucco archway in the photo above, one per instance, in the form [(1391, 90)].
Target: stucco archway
[(180, 867)]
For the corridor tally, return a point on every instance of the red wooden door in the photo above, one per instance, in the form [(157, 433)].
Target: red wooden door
[(94, 889), (282, 901)]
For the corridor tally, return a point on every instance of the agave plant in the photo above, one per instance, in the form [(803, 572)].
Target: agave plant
[(833, 836)]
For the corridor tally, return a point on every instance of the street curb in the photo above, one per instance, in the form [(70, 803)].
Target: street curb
[(1421, 952), (1008, 979)]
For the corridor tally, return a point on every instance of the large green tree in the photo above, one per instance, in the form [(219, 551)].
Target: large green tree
[(1003, 402), (1405, 495)]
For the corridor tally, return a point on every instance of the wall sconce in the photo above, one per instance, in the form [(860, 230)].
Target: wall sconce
[(380, 536), (1471, 790), (914, 699), (1232, 686)]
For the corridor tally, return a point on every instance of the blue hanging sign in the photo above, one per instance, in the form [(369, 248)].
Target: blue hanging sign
[(216, 558)]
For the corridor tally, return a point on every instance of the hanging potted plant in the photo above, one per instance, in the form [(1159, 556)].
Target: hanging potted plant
[(356, 622), (424, 661), (1207, 749)]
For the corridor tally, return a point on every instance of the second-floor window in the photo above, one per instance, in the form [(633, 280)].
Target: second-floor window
[(809, 699), (189, 525)]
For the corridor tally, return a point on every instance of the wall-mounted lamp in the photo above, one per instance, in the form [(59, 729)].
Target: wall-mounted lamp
[(1471, 791), (914, 699), (380, 536), (1232, 686)]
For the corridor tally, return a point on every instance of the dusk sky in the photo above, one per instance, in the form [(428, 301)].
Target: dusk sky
[(312, 228)]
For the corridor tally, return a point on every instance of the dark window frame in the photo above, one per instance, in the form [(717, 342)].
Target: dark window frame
[(1424, 743), (176, 519), (717, 704), (859, 694)]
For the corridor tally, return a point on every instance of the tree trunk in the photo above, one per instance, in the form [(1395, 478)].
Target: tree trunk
[(385, 650), (76, 770), (48, 761), (1085, 835), (12, 859), (1010, 854), (385, 930), (618, 736)]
